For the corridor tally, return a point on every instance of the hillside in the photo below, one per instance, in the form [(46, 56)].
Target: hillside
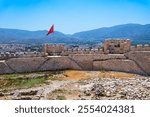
[(136, 32), (30, 37)]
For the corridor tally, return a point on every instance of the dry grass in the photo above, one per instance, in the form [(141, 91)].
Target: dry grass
[(78, 75)]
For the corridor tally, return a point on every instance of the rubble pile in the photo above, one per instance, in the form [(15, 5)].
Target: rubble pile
[(111, 88)]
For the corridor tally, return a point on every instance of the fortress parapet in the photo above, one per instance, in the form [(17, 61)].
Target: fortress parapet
[(6, 55), (110, 46), (140, 47), (82, 51)]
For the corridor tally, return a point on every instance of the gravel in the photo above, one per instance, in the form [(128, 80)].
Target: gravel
[(111, 88)]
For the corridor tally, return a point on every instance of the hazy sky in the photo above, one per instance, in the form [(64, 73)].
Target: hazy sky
[(70, 16)]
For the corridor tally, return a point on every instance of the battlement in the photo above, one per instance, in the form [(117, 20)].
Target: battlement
[(110, 46), (7, 55), (140, 47), (82, 51)]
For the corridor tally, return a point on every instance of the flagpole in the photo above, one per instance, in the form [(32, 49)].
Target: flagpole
[(51, 31), (53, 38), (54, 43)]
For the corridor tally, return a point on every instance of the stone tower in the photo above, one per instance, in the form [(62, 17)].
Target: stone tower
[(117, 46)]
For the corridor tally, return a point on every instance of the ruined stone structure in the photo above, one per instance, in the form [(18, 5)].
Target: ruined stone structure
[(117, 46), (127, 59), (53, 49)]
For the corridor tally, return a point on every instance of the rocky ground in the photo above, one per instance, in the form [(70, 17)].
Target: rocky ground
[(83, 85)]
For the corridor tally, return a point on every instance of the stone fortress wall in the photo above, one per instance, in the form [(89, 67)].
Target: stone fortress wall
[(109, 47), (133, 60), (67, 52)]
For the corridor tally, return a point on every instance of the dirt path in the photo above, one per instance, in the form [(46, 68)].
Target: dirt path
[(53, 86)]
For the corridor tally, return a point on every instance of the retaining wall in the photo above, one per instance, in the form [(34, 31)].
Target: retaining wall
[(134, 62), (118, 65), (142, 59), (86, 60)]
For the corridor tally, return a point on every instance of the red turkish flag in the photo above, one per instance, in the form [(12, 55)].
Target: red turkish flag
[(51, 30)]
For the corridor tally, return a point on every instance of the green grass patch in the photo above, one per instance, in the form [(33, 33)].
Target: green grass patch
[(29, 82), (21, 75), (24, 80), (21, 83)]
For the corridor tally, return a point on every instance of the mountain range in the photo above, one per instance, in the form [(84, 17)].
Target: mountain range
[(136, 32)]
